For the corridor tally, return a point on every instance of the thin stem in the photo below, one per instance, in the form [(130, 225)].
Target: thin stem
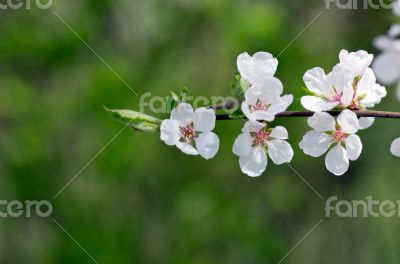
[(359, 113)]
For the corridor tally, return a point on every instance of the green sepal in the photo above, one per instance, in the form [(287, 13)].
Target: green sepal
[(135, 120)]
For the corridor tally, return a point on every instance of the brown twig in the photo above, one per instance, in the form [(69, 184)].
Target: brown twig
[(360, 113)]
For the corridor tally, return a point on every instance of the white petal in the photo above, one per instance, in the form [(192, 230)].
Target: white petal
[(347, 95), (170, 133), (395, 148), (187, 148), (396, 7), (280, 104), (255, 163), (315, 143), (279, 132), (255, 69), (315, 80), (398, 91), (207, 145), (348, 121), (246, 110), (262, 115), (383, 43), (353, 147), (386, 66), (394, 30), (280, 151), (253, 94), (322, 122), (271, 87), (245, 65), (336, 160), (243, 145), (340, 78), (366, 122), (183, 113), (252, 126), (317, 104), (355, 62), (204, 119)]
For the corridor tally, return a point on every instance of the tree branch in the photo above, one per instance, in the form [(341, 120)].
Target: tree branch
[(360, 113)]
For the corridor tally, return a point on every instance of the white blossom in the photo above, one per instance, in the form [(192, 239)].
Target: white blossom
[(395, 148), (263, 97), (190, 131), (387, 64), (351, 85), (337, 137), (256, 143)]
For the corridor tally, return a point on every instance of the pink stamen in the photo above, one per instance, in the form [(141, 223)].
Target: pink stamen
[(335, 98), (259, 107), (339, 136), (260, 137), (188, 133)]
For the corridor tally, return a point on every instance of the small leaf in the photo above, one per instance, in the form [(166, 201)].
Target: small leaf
[(172, 101), (135, 120)]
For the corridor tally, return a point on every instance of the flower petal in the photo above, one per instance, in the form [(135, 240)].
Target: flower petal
[(207, 144), (255, 69), (348, 121), (322, 122), (315, 143), (353, 147), (366, 122), (386, 67), (337, 161), (243, 145), (315, 80), (252, 126), (204, 119), (395, 148), (187, 148), (347, 95), (255, 163), (355, 62), (260, 115), (170, 133), (280, 104), (279, 132), (317, 104), (280, 151), (183, 113)]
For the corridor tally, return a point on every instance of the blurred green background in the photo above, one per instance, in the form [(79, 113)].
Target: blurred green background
[(141, 201)]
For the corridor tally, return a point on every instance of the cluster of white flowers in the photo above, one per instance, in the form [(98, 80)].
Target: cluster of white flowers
[(350, 86), (387, 64)]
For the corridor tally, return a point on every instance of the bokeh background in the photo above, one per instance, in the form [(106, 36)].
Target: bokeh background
[(140, 201)]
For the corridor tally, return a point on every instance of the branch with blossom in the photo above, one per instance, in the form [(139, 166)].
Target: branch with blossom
[(338, 105)]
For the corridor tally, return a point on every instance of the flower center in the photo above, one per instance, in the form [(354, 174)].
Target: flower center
[(259, 107), (260, 137), (339, 136), (335, 97), (188, 133)]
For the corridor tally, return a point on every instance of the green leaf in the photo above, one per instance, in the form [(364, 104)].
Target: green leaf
[(135, 120)]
